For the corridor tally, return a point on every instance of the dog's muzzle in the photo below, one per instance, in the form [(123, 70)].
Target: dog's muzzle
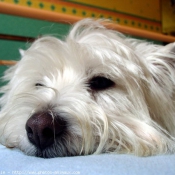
[(42, 129)]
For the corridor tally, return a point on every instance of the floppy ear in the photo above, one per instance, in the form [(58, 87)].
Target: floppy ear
[(169, 48), (161, 82), (161, 65)]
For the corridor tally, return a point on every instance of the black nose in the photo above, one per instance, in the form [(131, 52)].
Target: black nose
[(42, 129)]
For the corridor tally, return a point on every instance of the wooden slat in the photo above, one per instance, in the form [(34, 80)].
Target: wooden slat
[(141, 33), (24, 11), (18, 10), (7, 62), (16, 38)]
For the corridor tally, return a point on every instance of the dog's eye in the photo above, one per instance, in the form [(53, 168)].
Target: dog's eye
[(100, 83), (38, 84)]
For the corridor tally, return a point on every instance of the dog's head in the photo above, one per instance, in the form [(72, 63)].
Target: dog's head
[(91, 93)]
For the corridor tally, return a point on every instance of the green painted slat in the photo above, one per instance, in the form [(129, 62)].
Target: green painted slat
[(14, 25), (9, 50), (30, 27)]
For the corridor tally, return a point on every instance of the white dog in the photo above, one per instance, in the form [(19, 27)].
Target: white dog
[(98, 91)]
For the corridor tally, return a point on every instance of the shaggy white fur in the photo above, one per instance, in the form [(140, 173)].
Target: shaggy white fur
[(113, 94)]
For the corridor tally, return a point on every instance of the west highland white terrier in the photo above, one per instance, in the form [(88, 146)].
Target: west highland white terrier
[(97, 91)]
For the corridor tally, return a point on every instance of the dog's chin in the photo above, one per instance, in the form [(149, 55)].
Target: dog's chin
[(62, 147), (50, 152)]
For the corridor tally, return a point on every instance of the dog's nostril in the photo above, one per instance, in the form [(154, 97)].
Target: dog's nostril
[(42, 129), (47, 132), (29, 132)]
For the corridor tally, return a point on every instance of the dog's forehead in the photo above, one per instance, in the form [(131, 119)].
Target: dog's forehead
[(87, 56), (51, 53)]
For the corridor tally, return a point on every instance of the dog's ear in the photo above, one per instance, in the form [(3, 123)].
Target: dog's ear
[(169, 48), (161, 65)]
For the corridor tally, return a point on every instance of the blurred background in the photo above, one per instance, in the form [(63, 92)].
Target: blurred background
[(22, 21)]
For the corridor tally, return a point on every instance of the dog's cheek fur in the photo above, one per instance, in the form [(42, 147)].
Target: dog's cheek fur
[(129, 125)]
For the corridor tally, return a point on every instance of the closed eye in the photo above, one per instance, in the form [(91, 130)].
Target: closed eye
[(38, 84), (100, 83)]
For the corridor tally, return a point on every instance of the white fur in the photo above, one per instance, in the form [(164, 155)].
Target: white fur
[(136, 116)]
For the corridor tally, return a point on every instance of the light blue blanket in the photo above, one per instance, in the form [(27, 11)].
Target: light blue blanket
[(15, 162)]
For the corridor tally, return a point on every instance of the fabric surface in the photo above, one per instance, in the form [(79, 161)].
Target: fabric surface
[(13, 161)]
